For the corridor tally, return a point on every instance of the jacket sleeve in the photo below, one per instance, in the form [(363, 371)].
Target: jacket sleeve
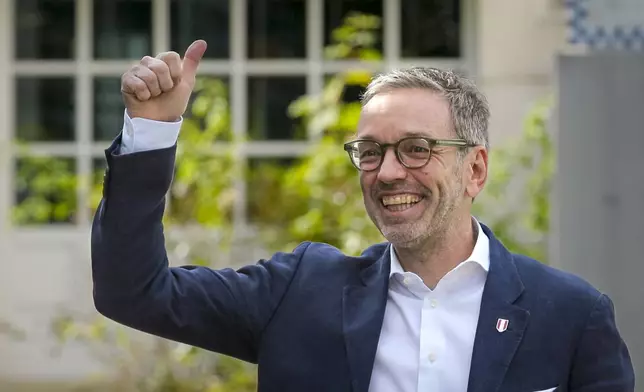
[(602, 362), (219, 310)]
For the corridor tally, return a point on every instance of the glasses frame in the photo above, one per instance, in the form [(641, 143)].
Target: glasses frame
[(461, 143)]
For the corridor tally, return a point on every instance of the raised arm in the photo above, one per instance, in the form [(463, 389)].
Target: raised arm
[(224, 310)]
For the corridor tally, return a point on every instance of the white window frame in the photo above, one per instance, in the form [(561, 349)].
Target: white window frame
[(83, 68), (6, 120)]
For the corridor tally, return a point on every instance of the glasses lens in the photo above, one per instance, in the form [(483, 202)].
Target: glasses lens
[(414, 152), (365, 155)]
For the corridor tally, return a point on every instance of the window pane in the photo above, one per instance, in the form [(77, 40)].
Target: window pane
[(277, 29), (200, 19), (430, 28), (108, 108), (336, 10), (263, 173), (269, 98), (352, 93), (45, 109), (44, 29), (122, 29), (45, 190)]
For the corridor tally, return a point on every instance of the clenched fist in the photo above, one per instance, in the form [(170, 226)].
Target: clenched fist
[(159, 88)]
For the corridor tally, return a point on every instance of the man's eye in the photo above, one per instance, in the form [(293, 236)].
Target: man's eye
[(368, 153), (415, 149)]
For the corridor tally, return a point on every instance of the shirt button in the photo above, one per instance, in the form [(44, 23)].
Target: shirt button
[(432, 357), (433, 303), (407, 280)]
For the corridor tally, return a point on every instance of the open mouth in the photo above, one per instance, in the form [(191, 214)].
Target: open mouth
[(401, 202)]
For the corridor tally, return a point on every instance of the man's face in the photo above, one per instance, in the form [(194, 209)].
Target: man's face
[(411, 205)]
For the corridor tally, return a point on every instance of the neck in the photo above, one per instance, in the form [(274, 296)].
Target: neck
[(434, 258)]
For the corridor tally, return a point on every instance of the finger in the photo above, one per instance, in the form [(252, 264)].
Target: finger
[(149, 77), (134, 86), (161, 70), (191, 59), (173, 61)]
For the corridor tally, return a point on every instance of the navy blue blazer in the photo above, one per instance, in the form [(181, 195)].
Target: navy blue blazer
[(311, 318)]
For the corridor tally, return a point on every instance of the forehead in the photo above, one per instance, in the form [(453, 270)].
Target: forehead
[(395, 114)]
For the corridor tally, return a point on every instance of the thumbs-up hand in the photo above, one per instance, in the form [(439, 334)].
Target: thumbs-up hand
[(159, 88)]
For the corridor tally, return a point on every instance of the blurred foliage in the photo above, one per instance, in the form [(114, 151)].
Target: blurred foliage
[(202, 191), (149, 364), (45, 190), (317, 197), (355, 39), (516, 201)]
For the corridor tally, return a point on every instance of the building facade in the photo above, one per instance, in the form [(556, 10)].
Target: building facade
[(60, 68)]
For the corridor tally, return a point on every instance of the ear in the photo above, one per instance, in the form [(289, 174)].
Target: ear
[(476, 171)]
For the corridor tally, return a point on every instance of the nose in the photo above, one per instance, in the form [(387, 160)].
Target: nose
[(391, 169)]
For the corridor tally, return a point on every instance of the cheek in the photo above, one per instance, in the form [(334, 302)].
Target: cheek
[(366, 181), (426, 179), (436, 181)]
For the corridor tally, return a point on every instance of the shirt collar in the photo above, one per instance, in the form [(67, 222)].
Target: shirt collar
[(480, 254)]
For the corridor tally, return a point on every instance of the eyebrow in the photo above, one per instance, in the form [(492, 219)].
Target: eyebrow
[(404, 135), (416, 133)]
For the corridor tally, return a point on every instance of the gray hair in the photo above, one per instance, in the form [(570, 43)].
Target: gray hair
[(469, 107)]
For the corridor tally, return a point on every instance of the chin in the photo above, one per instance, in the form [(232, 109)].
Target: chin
[(404, 235)]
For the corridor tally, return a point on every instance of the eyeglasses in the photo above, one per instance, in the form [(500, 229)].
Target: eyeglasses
[(412, 152)]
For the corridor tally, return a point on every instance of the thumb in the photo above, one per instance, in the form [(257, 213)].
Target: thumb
[(191, 59)]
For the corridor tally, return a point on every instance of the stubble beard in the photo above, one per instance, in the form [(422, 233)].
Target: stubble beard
[(428, 229)]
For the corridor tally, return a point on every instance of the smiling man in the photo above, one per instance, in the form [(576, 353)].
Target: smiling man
[(417, 185), (442, 305)]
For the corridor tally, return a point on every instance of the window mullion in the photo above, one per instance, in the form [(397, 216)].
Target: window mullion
[(239, 103), (83, 109), (160, 26), (391, 32), (6, 114), (315, 49), (468, 37)]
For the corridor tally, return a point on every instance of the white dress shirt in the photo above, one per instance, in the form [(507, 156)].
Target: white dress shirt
[(427, 335)]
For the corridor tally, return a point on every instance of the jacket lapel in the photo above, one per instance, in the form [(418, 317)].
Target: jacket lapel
[(363, 309), (494, 348)]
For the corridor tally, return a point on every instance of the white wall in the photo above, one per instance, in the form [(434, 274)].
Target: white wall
[(42, 274), (517, 43)]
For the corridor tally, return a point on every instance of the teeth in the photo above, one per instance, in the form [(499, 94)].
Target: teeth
[(400, 199)]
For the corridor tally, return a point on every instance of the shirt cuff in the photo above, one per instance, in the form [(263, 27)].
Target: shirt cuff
[(141, 134)]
